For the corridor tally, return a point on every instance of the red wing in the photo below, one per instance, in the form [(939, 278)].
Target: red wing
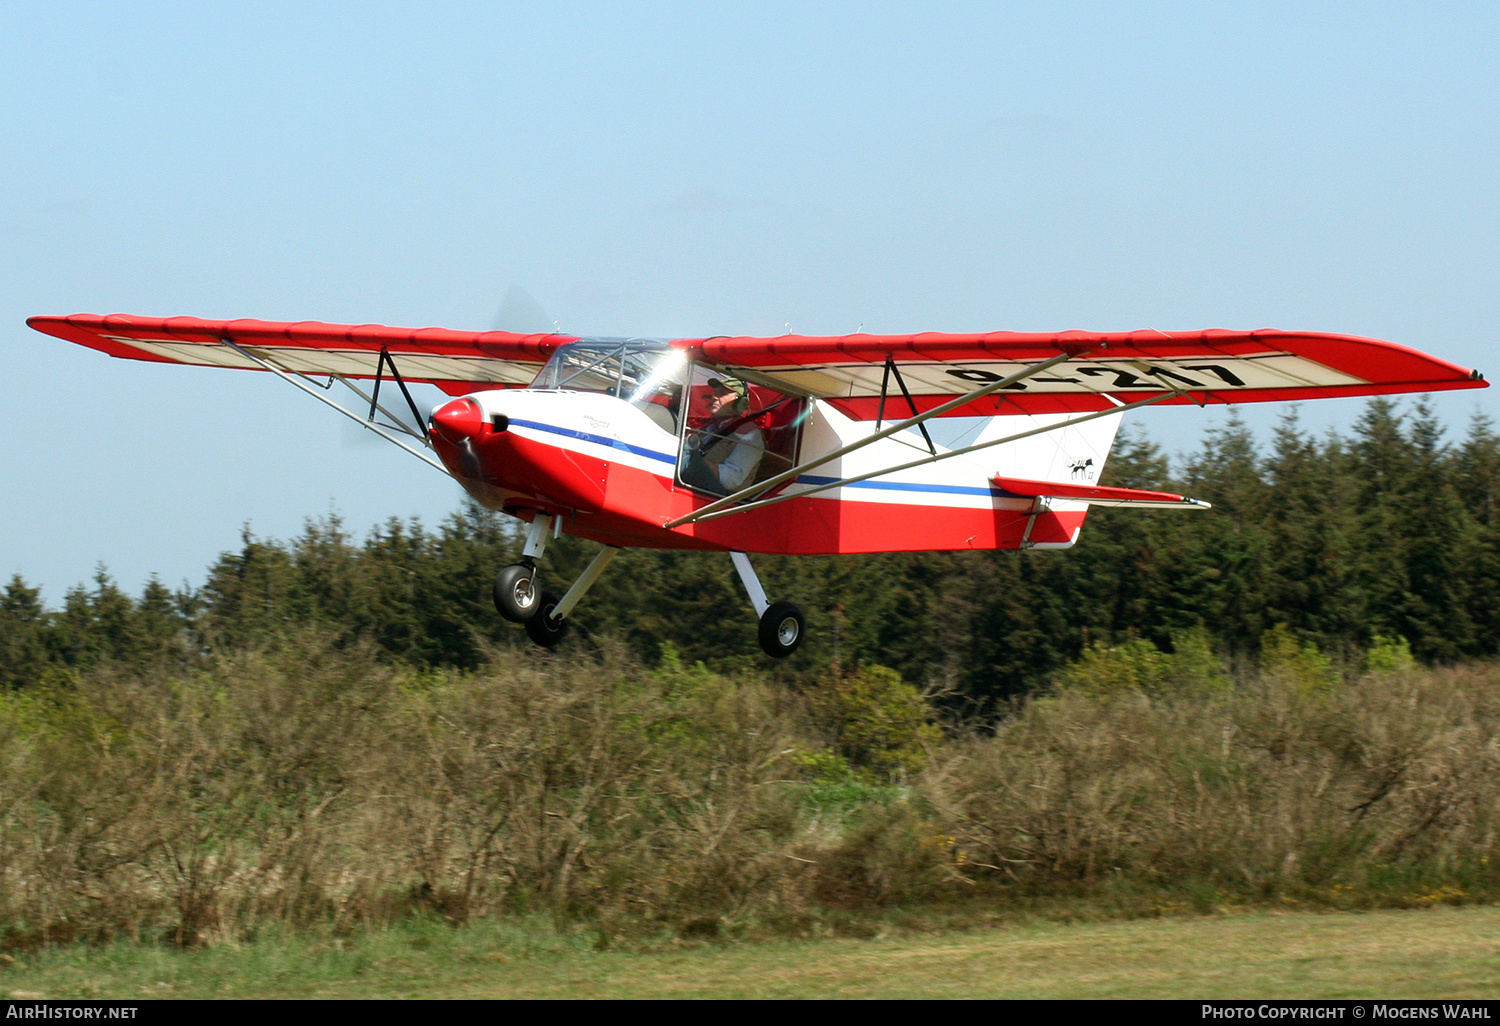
[(456, 361), (1213, 366)]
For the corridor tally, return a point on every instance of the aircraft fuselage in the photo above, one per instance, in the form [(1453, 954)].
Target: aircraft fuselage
[(612, 473)]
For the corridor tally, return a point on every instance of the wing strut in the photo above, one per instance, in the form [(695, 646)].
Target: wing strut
[(885, 384), (316, 394), (703, 514), (395, 421), (761, 487), (385, 359)]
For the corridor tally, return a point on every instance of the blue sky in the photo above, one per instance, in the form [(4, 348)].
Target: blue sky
[(688, 169)]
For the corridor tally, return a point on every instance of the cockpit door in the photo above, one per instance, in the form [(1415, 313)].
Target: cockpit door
[(735, 433)]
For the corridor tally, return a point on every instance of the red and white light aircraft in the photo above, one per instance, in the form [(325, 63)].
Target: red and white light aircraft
[(788, 445)]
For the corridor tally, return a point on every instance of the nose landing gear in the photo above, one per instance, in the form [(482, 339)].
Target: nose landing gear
[(520, 598), (516, 593)]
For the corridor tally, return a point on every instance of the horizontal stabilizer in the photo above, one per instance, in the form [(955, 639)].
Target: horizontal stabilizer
[(1094, 495)]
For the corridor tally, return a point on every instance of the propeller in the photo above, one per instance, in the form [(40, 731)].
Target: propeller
[(457, 422), (522, 314), (471, 467)]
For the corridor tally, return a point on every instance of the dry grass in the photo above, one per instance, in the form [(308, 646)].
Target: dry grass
[(1384, 791), (314, 789)]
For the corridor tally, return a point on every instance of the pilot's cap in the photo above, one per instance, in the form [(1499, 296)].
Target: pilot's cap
[(721, 387)]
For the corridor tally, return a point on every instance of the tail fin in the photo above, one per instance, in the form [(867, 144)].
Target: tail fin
[(1073, 454)]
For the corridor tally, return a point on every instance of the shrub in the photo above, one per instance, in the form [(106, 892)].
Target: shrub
[(877, 722), (1136, 665), (1382, 790), (1389, 655), (1192, 667), (1299, 663)]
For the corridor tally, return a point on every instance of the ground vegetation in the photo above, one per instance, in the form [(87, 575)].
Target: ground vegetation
[(1288, 703)]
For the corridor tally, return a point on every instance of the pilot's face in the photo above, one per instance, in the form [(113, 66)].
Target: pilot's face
[(717, 401)]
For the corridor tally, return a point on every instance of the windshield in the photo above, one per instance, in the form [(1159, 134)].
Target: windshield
[(644, 373)]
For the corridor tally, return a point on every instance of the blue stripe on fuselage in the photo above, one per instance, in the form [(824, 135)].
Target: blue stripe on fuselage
[(809, 479), (613, 443), (903, 486)]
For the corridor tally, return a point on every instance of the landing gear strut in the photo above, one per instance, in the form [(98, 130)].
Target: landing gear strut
[(781, 624), (520, 598), (517, 594)]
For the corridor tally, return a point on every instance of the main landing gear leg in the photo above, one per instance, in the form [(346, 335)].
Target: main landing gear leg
[(781, 624), (585, 582), (549, 623)]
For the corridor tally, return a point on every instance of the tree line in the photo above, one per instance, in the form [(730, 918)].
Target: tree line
[(1391, 531)]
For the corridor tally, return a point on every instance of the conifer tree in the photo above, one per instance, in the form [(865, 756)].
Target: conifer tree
[(23, 622), (1477, 478)]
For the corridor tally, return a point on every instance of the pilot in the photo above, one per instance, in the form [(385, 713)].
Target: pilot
[(725, 452)]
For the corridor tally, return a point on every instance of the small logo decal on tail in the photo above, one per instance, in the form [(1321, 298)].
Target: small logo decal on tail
[(1082, 469)]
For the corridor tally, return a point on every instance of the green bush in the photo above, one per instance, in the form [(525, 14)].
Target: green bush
[(1389, 655), (876, 722), (314, 786), (1300, 663), (1136, 665), (1192, 667)]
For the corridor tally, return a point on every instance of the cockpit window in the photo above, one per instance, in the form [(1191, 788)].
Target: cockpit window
[(647, 374)]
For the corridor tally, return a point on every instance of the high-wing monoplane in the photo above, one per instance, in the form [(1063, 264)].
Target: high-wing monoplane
[(791, 444)]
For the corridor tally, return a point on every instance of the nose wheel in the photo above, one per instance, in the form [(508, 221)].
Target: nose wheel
[(517, 594), (520, 598)]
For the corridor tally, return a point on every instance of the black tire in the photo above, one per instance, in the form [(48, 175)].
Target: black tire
[(543, 628), (781, 630), (517, 594)]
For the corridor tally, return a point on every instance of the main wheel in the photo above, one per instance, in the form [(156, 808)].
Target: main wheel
[(517, 596), (543, 628), (781, 629)]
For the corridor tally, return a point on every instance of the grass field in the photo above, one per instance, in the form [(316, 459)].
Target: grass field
[(1435, 953)]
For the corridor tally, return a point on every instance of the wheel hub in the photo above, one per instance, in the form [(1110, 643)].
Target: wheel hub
[(525, 591)]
